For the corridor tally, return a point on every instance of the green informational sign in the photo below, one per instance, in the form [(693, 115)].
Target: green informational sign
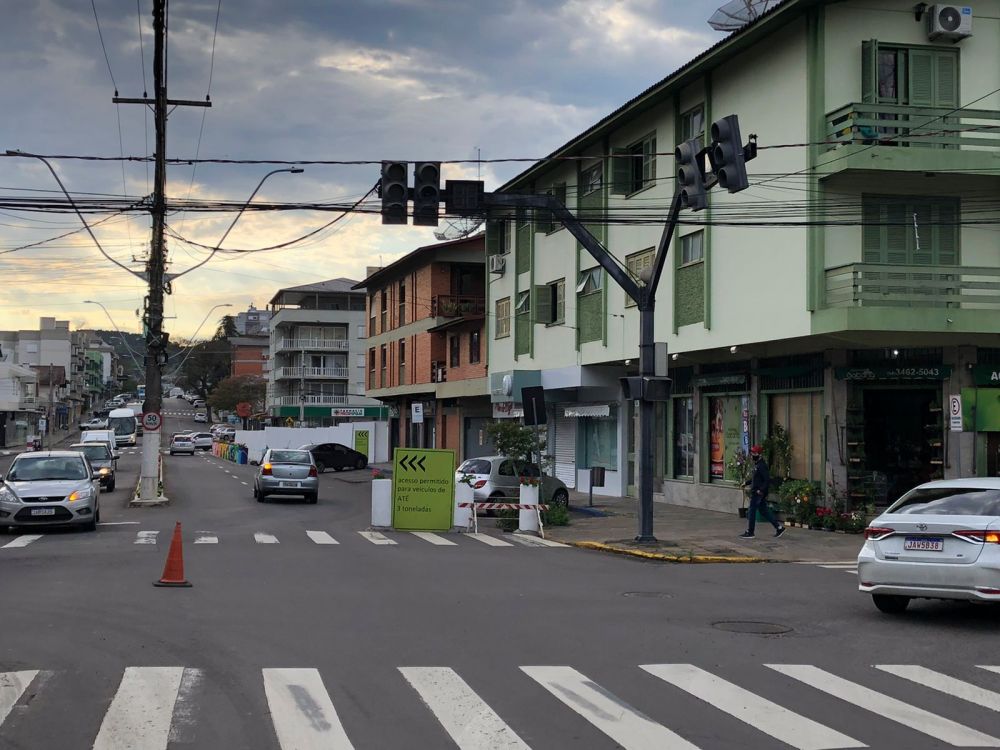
[(423, 489), (361, 441), (981, 409)]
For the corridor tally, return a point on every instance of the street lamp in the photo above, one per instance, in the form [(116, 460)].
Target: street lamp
[(290, 170), (120, 334)]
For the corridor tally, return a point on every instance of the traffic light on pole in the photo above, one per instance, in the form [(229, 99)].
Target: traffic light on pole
[(690, 175), (394, 191), (727, 154), (426, 193)]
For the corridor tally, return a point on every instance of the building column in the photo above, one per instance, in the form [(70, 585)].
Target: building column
[(835, 417)]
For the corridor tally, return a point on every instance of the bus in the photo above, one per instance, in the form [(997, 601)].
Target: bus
[(141, 391), (125, 425)]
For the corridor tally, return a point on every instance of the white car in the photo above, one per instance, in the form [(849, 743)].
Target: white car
[(941, 540), (181, 442), (201, 417), (201, 440)]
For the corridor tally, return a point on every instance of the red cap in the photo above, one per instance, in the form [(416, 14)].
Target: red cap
[(756, 450)]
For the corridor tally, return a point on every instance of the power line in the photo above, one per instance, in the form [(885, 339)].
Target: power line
[(100, 36)]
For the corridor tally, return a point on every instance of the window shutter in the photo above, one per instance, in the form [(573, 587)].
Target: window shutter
[(494, 236), (621, 171), (921, 78), (925, 229), (871, 232), (649, 160), (898, 230), (869, 72), (560, 311), (946, 79), (543, 304), (947, 233)]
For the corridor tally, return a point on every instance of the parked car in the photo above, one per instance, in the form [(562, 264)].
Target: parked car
[(335, 456), (493, 477), (50, 488), (182, 443), (102, 460), (202, 440), (941, 540), (198, 403), (96, 423), (287, 472), (226, 434), (201, 417)]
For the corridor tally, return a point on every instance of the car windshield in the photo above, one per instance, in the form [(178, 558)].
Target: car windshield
[(290, 457), (475, 466), (96, 452), (949, 501), (182, 438), (47, 468)]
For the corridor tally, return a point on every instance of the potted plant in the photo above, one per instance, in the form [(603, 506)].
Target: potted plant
[(740, 468)]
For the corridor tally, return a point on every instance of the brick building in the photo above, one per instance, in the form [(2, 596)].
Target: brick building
[(426, 344), (249, 355)]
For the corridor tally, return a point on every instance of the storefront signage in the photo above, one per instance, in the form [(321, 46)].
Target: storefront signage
[(739, 379), (423, 489), (986, 375), (379, 412), (882, 372), (507, 410), (592, 410)]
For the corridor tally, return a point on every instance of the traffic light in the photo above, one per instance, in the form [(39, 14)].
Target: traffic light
[(727, 154), (690, 174), (641, 388), (394, 191), (426, 193)]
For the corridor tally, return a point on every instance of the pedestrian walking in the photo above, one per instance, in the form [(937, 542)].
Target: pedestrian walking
[(760, 484)]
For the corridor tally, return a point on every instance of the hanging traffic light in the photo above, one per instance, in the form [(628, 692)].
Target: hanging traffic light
[(691, 174), (426, 193), (394, 191), (727, 154)]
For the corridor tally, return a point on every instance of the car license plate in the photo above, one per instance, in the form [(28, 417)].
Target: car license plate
[(288, 484), (924, 544), (43, 511)]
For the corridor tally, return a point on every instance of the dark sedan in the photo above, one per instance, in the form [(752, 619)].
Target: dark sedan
[(335, 456)]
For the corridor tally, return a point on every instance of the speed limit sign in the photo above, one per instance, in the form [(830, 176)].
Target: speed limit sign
[(151, 421)]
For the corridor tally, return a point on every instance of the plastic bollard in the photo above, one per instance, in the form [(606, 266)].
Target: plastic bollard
[(527, 520)]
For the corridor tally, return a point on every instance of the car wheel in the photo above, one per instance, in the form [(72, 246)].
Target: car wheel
[(313, 498), (560, 497), (890, 604), (171, 453), (361, 463), (111, 486), (320, 467), (91, 525)]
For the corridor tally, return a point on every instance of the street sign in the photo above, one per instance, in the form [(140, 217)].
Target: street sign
[(423, 489), (955, 413), (361, 441), (42, 425), (244, 409), (417, 412), (151, 421), (289, 422)]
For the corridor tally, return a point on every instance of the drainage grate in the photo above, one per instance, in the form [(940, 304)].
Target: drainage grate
[(752, 627)]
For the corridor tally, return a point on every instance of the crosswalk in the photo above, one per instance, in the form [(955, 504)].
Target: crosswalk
[(153, 537), (151, 701)]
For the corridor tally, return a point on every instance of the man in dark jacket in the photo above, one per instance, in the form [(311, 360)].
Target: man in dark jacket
[(759, 483)]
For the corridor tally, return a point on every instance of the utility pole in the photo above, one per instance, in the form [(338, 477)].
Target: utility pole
[(156, 277)]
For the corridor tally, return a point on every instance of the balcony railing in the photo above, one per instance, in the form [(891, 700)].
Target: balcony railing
[(883, 285), (322, 399), (901, 125), (439, 373), (455, 306), (313, 372), (341, 345)]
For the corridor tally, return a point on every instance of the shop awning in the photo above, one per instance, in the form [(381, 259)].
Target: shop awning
[(590, 410)]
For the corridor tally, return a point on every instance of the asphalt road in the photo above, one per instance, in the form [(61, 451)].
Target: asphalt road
[(289, 640)]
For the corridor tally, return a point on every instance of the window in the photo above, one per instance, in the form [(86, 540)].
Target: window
[(692, 247), (371, 367), (401, 351), (401, 320), (726, 435), (684, 445), (384, 360), (635, 166), (600, 440), (544, 219), (523, 323), (497, 237), (361, 331), (371, 315), (453, 351), (591, 280), (523, 303), (801, 414), (950, 501), (474, 355), (552, 303), (384, 309), (693, 124), (590, 304), (636, 264), (591, 179), (910, 230), (502, 318), (361, 360)]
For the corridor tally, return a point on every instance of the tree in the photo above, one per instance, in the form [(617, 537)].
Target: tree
[(234, 390), (227, 328), (514, 441), (206, 365)]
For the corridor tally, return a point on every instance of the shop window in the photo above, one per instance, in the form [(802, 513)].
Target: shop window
[(801, 414), (600, 441), (683, 437), (727, 434)]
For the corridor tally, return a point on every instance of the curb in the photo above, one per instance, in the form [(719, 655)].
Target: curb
[(662, 557)]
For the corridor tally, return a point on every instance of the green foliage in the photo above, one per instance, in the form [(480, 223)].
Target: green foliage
[(556, 515), (226, 328), (514, 441), (507, 520), (234, 390), (798, 498), (778, 451)]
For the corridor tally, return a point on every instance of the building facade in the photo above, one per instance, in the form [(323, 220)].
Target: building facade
[(253, 322), (426, 327), (249, 355), (840, 301), (18, 404)]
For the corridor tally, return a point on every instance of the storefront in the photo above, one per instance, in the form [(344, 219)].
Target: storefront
[(981, 415), (727, 424)]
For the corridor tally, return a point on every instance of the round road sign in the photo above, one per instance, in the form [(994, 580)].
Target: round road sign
[(151, 421)]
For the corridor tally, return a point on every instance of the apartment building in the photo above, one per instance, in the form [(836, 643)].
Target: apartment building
[(317, 345), (249, 355), (426, 322), (18, 403), (846, 296)]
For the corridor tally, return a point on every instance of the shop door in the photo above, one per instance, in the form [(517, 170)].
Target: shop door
[(566, 450), (993, 454), (477, 442), (903, 435)]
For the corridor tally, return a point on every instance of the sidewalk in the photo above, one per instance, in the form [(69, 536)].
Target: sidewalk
[(694, 535)]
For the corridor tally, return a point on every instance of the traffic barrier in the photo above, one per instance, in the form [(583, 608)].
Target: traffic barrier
[(473, 523), (173, 569), (230, 452)]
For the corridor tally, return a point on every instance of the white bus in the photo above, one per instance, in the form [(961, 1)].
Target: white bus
[(123, 422)]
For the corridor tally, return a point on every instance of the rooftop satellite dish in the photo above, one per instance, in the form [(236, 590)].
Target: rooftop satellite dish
[(459, 227), (736, 14)]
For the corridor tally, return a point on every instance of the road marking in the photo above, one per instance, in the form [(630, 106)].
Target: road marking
[(923, 721), (840, 566), (261, 538), (206, 537), (146, 537), (427, 536), (937, 681), (991, 669), (12, 686), (618, 720), (376, 537), (22, 541), (303, 715), (236, 478), (535, 541), (467, 719), (321, 537), (119, 523), (490, 540), (141, 710), (770, 718), (244, 484)]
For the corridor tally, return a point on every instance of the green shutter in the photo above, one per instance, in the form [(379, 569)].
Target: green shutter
[(946, 79), (947, 233), (494, 236), (592, 207), (621, 171), (524, 237), (543, 304), (898, 229), (560, 311), (921, 71), (543, 218), (690, 295), (590, 314), (871, 232), (869, 72), (925, 230), (522, 334)]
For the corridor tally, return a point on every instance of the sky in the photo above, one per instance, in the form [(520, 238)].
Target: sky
[(416, 80)]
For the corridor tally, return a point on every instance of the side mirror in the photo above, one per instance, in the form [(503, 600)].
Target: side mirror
[(255, 463), (116, 455), (94, 475)]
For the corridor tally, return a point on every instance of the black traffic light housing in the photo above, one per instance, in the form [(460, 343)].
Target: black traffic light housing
[(645, 388), (394, 191), (691, 174), (426, 193), (727, 155)]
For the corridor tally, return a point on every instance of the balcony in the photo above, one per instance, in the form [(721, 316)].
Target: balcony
[(456, 306), (322, 399), (312, 372), (439, 373), (316, 345), (880, 285)]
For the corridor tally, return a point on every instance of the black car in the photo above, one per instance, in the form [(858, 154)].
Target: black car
[(102, 462), (336, 456)]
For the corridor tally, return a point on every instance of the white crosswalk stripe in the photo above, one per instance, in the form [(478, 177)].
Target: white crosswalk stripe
[(435, 539), (321, 537), (492, 541), (467, 719), (946, 684), (887, 707), (376, 537), (141, 710), (22, 541), (303, 715), (146, 537), (12, 686), (990, 668), (618, 720), (535, 541), (205, 537), (262, 538)]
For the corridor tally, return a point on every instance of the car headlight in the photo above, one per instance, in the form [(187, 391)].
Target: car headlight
[(104, 470), (7, 495), (80, 495)]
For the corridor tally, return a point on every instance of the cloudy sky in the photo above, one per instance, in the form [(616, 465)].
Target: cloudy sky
[(303, 79)]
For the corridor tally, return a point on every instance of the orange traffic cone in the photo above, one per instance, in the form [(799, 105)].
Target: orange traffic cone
[(173, 571)]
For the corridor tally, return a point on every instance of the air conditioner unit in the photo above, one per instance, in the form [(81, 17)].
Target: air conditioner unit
[(949, 22), (498, 263)]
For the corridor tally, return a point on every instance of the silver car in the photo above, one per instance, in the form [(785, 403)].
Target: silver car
[(202, 440), (493, 478), (941, 540), (50, 488), (287, 472), (182, 442)]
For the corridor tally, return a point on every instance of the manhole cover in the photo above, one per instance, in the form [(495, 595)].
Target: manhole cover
[(751, 626), (648, 594)]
